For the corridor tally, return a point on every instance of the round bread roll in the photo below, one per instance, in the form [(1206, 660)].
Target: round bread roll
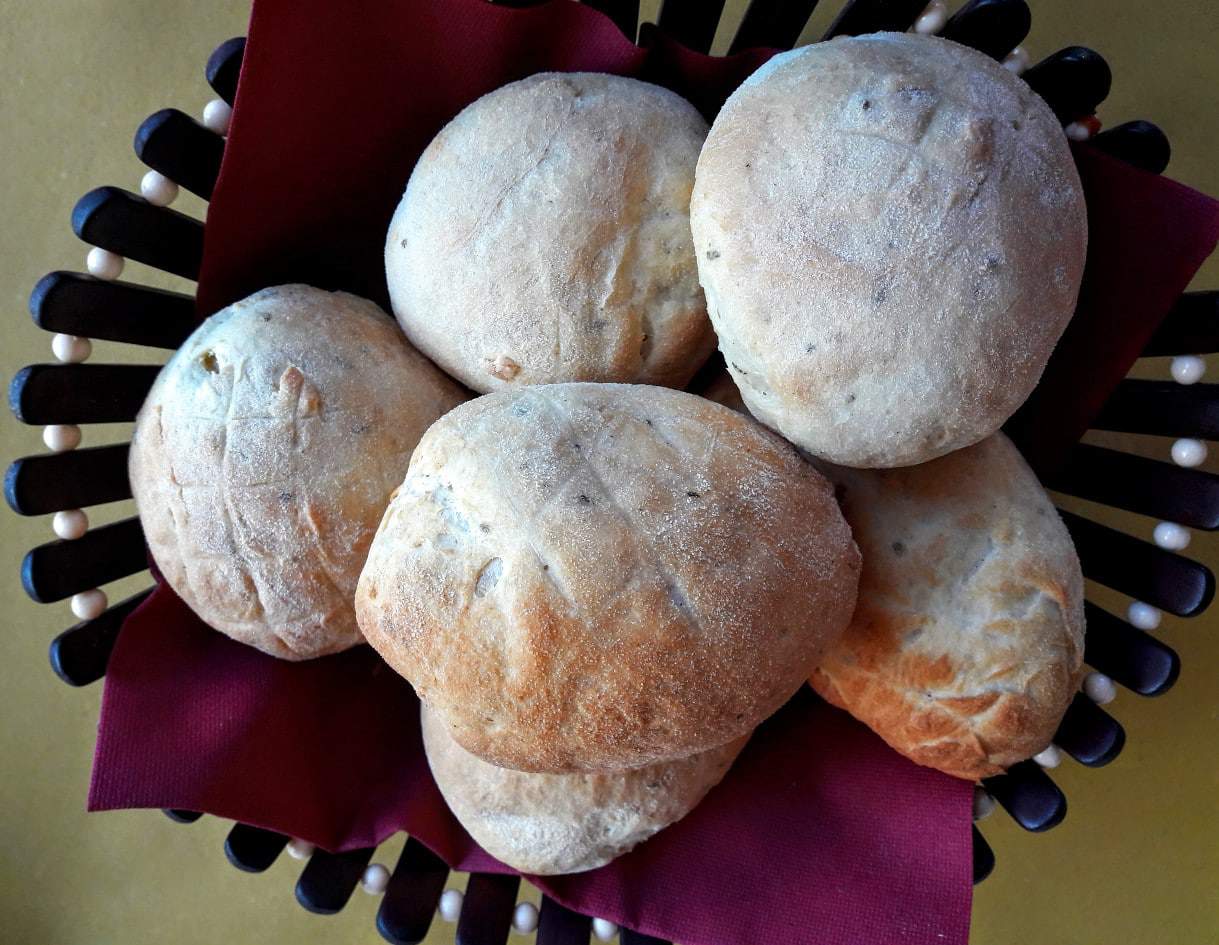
[(546, 824), (265, 454), (545, 236), (599, 576), (891, 232), (966, 647)]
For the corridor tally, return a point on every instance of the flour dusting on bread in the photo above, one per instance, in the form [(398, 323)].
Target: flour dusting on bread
[(667, 573)]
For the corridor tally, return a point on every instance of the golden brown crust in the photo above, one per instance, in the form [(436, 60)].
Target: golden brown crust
[(586, 576), (548, 824), (265, 453), (891, 232), (545, 236), (967, 644)]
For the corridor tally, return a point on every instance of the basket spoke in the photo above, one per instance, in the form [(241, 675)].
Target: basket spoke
[(179, 816), (1138, 484), (631, 937), (983, 856), (624, 13), (1136, 142), (412, 894), (79, 655), (993, 27), (223, 67), (1192, 327), (1129, 656), (1162, 408), (558, 925), (186, 152), (1145, 572), (776, 23), (36, 485), (329, 879), (252, 849), (123, 223), (873, 16), (1073, 81), (59, 569), (691, 22), (77, 304), (1089, 734), (1026, 792), (80, 393), (486, 911)]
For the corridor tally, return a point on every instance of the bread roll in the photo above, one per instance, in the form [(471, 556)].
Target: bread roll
[(546, 824), (265, 454), (966, 646), (891, 233), (545, 236), (598, 576)]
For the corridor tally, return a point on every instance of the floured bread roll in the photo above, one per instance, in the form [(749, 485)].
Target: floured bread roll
[(566, 823), (592, 576), (545, 236), (966, 646), (265, 454), (891, 233)]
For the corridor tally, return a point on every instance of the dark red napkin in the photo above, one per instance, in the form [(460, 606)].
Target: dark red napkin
[(1147, 236), (337, 100), (820, 833)]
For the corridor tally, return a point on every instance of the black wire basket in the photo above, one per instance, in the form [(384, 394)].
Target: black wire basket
[(1073, 81)]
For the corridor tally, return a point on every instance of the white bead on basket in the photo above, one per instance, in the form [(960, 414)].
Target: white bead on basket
[(1049, 757), (300, 849), (70, 524), (61, 437), (450, 905), (375, 879), (1187, 369), (932, 19), (1099, 688), (88, 605), (1171, 537), (217, 115), (1189, 452), (104, 264), (71, 349), (1078, 131), (158, 189), (1143, 616), (1017, 60), (525, 918)]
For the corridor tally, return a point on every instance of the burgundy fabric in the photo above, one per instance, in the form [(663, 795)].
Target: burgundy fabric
[(1147, 236), (820, 833)]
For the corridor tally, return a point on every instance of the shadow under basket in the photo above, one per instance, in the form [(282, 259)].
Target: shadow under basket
[(1073, 82)]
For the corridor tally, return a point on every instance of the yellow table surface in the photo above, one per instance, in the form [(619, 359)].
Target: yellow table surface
[(1137, 859)]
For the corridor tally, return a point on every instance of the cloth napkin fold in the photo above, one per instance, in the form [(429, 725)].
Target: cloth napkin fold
[(820, 833)]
